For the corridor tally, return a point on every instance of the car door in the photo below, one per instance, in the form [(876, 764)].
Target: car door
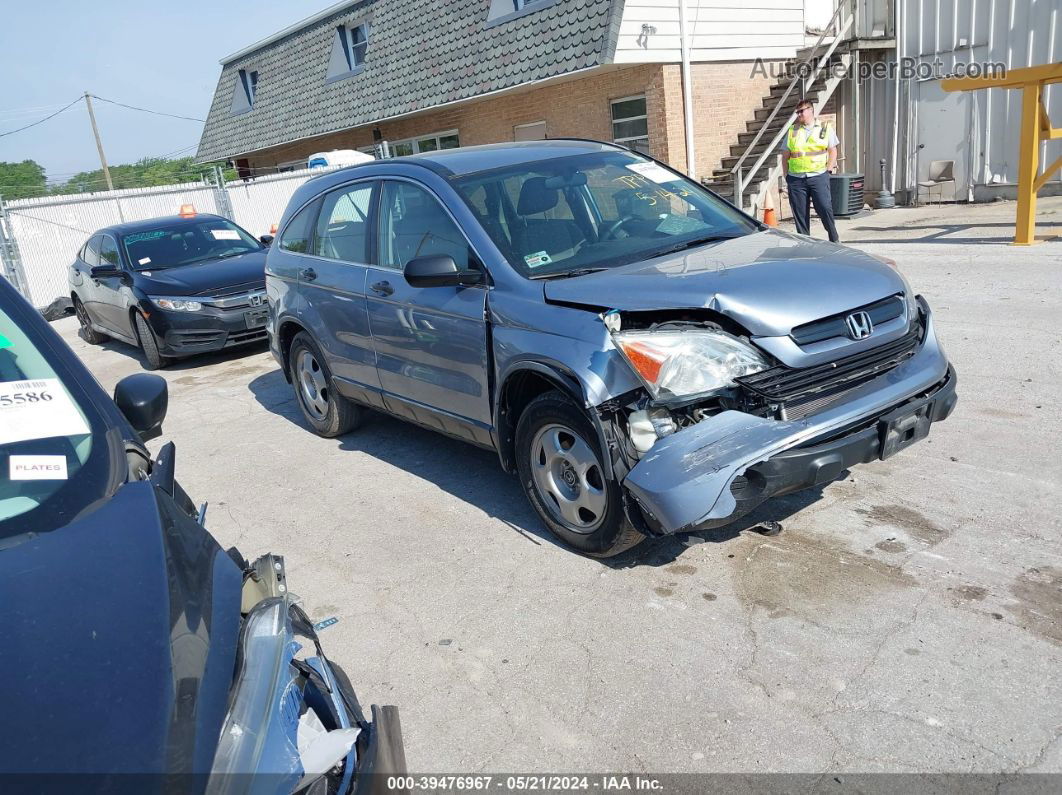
[(113, 293), (431, 342), (332, 287)]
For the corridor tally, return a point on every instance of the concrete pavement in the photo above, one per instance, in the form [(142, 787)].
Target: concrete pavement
[(909, 617)]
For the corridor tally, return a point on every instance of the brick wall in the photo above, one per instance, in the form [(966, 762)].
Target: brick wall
[(724, 96)]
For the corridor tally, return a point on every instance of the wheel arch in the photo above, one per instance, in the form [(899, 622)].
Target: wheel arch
[(521, 383), (287, 328)]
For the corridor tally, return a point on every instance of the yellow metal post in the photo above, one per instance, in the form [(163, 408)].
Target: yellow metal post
[(1028, 166), (1035, 128)]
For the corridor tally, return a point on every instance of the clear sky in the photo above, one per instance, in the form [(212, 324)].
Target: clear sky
[(157, 55)]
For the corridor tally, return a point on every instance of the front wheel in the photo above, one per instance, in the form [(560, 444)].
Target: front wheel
[(329, 413), (153, 360), (560, 467)]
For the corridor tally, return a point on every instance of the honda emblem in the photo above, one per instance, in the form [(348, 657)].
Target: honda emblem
[(256, 300), (860, 326)]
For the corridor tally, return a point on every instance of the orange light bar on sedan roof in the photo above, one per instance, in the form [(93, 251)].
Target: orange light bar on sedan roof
[(187, 211)]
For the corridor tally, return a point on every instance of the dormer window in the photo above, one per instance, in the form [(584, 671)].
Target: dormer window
[(350, 45), (244, 92)]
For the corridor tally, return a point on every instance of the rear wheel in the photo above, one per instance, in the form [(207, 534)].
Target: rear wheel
[(561, 471), (86, 332), (153, 360), (328, 413)]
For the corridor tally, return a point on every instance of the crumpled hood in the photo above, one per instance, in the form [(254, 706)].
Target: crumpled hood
[(768, 282), (120, 635), (204, 278)]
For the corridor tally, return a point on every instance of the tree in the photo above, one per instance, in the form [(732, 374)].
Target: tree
[(148, 172), (22, 180)]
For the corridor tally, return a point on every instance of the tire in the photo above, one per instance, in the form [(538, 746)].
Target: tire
[(559, 462), (153, 360), (86, 332), (328, 413)]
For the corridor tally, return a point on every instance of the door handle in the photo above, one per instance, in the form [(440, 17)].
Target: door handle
[(308, 274), (383, 288)]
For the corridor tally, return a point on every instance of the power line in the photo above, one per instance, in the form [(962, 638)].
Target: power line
[(145, 110), (41, 121)]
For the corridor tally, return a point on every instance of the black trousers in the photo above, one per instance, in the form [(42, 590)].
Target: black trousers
[(803, 191)]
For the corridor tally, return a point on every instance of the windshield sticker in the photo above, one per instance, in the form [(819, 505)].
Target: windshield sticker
[(155, 235), (537, 259), (144, 261), (654, 172), (680, 225), (37, 467), (225, 234), (4, 342), (37, 410)]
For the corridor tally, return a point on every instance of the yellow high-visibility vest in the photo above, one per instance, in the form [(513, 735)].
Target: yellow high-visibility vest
[(807, 148)]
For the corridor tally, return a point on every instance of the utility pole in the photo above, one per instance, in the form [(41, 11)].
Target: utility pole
[(99, 143)]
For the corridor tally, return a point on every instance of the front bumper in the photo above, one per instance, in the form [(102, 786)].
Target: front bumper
[(210, 329), (716, 471)]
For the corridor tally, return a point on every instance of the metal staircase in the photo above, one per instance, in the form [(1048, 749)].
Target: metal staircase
[(752, 165)]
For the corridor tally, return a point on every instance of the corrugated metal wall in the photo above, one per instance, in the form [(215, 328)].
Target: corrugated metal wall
[(979, 130), (1018, 33)]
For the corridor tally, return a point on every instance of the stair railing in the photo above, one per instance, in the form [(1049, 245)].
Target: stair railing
[(814, 70)]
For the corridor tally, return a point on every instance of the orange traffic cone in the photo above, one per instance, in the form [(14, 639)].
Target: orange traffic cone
[(770, 217)]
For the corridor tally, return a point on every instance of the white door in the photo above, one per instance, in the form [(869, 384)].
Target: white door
[(944, 129)]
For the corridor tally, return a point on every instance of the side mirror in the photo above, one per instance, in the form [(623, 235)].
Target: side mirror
[(103, 271), (439, 270), (266, 239), (143, 399)]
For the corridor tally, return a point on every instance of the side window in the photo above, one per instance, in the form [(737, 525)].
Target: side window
[(92, 252), (342, 226), (109, 252), (414, 224), (298, 236)]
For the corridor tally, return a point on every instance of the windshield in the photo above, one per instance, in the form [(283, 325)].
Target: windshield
[(184, 242), (555, 217), (54, 457)]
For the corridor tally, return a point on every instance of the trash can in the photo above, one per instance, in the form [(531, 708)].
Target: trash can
[(847, 192)]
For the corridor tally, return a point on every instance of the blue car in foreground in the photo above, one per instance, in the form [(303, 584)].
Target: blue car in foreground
[(647, 358), (133, 643)]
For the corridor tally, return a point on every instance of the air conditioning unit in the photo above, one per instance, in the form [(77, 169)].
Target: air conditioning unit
[(847, 191)]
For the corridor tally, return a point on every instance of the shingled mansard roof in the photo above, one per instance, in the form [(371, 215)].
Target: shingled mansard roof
[(421, 54)]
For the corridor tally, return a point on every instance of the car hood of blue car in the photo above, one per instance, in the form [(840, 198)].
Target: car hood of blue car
[(768, 281), (206, 278), (120, 641)]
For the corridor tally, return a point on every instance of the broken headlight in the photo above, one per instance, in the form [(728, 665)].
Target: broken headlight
[(686, 363)]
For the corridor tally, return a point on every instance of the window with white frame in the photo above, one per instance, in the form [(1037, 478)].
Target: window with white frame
[(350, 45), (630, 123), (425, 143)]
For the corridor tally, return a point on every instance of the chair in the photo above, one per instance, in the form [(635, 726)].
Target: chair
[(940, 187)]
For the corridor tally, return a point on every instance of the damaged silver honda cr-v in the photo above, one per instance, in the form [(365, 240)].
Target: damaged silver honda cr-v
[(648, 359)]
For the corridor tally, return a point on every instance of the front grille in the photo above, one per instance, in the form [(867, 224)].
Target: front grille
[(807, 390), (834, 326), (236, 289)]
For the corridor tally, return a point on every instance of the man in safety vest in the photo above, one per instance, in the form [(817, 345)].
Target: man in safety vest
[(809, 155)]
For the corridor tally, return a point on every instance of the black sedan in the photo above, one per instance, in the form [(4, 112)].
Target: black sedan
[(172, 286), (133, 643)]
